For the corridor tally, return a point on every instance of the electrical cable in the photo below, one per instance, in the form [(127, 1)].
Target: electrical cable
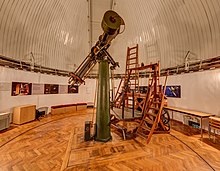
[(193, 151), (93, 112), (30, 130)]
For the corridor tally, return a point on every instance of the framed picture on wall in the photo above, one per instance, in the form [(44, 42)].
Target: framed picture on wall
[(51, 89), (21, 88), (173, 91), (73, 89)]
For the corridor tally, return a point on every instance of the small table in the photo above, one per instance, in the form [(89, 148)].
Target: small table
[(4, 120), (202, 115), (214, 123)]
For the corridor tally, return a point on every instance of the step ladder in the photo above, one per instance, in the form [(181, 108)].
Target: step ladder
[(152, 121), (130, 82)]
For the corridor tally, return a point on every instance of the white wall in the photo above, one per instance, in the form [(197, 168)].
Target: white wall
[(199, 91), (7, 102)]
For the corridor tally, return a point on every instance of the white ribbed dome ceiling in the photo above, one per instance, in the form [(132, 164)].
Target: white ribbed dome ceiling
[(60, 33)]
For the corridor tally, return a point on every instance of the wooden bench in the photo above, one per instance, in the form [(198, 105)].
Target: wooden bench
[(81, 106), (201, 115), (214, 123), (59, 109), (41, 111), (68, 108)]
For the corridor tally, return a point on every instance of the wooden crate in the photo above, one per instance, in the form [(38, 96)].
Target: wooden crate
[(23, 114)]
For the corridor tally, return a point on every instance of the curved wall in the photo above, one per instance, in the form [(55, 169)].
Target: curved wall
[(55, 31), (7, 102), (58, 32), (167, 30)]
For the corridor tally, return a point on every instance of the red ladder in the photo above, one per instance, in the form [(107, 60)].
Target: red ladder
[(131, 80)]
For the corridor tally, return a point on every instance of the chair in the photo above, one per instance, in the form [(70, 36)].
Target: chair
[(42, 111)]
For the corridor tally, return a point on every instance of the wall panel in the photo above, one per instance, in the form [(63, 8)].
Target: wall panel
[(200, 91), (172, 28), (57, 31), (7, 102)]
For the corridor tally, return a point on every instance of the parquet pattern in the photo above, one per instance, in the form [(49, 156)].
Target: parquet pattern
[(164, 152), (46, 148), (15, 130), (42, 148)]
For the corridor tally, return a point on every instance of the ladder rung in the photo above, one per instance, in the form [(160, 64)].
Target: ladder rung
[(133, 54), (142, 134), (161, 132), (135, 47), (132, 63), (145, 128), (128, 107), (156, 102), (155, 108), (151, 114), (130, 68), (149, 121)]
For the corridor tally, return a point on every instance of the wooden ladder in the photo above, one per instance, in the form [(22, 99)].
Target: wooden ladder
[(131, 80), (152, 121), (118, 95), (132, 76)]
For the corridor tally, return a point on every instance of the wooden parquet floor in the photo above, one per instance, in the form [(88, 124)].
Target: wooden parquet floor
[(56, 143), (38, 145)]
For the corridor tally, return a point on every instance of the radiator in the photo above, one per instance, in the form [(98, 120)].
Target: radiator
[(4, 120)]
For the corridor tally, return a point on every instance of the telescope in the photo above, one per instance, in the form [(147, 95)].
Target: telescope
[(111, 25)]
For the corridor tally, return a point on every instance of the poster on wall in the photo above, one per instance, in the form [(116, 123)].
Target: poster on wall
[(51, 89), (37, 89), (20, 89), (73, 89), (173, 91), (63, 89)]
